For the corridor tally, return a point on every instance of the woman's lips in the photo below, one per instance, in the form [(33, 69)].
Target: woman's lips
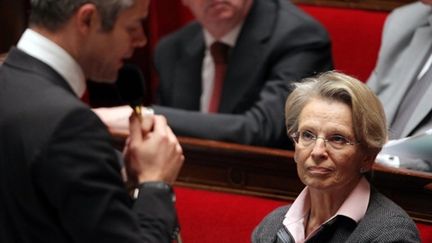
[(319, 170)]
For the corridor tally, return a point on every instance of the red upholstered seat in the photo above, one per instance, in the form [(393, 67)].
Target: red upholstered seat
[(210, 217), (425, 232), (355, 35)]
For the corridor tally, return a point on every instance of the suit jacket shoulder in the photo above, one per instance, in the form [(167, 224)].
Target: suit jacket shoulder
[(385, 222), (170, 47), (265, 231), (398, 32), (400, 27)]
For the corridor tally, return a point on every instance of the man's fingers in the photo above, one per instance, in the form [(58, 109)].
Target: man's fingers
[(147, 123), (160, 125), (134, 128), (140, 126)]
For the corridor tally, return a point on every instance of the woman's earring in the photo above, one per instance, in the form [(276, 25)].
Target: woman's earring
[(363, 170)]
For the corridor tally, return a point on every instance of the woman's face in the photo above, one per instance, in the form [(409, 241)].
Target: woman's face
[(319, 164)]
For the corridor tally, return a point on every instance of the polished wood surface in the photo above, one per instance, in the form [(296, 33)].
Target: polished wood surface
[(382, 5), (272, 173)]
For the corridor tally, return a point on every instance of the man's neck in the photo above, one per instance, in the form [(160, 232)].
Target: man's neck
[(61, 38), (218, 31)]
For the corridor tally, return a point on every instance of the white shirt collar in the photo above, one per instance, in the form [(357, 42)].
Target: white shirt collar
[(40, 47), (230, 38)]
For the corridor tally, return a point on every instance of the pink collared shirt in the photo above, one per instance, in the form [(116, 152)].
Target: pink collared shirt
[(354, 207)]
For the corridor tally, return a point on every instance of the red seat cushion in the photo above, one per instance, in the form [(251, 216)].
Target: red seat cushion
[(425, 232), (355, 36), (208, 217)]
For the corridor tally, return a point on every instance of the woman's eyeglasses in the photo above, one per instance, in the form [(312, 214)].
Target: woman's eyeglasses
[(307, 138)]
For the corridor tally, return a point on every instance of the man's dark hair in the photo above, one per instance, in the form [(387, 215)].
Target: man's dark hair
[(52, 14)]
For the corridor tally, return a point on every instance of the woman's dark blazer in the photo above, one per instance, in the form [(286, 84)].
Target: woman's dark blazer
[(384, 222)]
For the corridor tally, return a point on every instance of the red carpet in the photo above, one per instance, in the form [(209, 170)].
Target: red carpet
[(215, 217)]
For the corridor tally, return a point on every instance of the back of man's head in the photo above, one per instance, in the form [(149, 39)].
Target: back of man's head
[(53, 14)]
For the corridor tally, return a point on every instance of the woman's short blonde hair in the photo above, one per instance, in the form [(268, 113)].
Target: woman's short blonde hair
[(369, 121)]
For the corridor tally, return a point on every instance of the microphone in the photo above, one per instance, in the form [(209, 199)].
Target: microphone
[(130, 85)]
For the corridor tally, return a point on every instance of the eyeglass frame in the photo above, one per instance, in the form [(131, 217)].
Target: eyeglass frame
[(295, 136)]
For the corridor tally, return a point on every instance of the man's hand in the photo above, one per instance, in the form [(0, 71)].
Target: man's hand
[(152, 152)]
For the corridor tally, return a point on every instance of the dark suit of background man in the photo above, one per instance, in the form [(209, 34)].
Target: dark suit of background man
[(272, 44), (404, 60), (60, 177)]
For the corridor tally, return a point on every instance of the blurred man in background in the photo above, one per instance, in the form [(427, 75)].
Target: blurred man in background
[(226, 75)]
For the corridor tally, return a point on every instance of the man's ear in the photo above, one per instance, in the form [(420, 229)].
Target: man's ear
[(87, 17)]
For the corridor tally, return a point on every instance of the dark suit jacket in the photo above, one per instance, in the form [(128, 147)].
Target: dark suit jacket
[(278, 44), (59, 175), (384, 221)]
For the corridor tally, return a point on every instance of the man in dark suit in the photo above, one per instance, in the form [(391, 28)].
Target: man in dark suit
[(271, 43), (60, 177)]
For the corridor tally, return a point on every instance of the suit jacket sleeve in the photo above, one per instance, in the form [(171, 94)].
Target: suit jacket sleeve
[(78, 174), (398, 35)]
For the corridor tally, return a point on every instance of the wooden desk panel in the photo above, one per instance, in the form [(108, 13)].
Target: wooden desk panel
[(272, 173)]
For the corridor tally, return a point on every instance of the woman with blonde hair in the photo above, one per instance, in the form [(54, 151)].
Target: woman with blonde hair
[(338, 127)]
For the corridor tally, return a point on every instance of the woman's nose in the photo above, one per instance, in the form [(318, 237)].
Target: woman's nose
[(319, 148)]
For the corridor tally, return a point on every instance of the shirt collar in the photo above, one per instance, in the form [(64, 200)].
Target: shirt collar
[(356, 204), (56, 57), (295, 218), (230, 38), (354, 207)]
